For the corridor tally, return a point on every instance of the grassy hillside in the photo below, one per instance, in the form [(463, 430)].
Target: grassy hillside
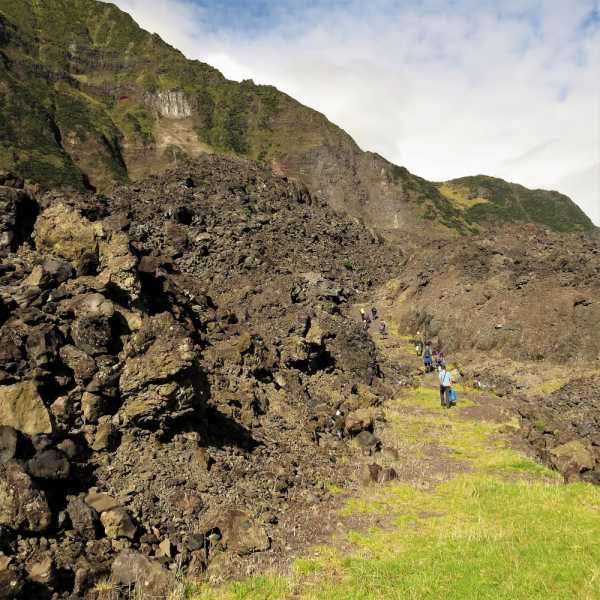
[(492, 201), (89, 99)]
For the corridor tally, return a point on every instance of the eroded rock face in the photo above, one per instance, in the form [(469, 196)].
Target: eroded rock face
[(22, 407), (23, 505)]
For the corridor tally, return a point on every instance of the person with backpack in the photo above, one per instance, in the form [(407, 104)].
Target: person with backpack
[(418, 344), (382, 328), (427, 358), (445, 387), (438, 355), (362, 314), (374, 313)]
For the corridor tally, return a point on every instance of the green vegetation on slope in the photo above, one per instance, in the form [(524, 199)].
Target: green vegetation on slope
[(502, 529), (497, 202)]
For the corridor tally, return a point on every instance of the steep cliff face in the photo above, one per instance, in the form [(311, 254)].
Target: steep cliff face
[(89, 99)]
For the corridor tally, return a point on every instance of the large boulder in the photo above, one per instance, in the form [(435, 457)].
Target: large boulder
[(119, 266), (188, 501), (238, 532), (359, 420), (62, 231), (18, 212), (572, 456), (23, 505), (22, 407), (161, 379), (129, 566), (157, 582), (49, 464)]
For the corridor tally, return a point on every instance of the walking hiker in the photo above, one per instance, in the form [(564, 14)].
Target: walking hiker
[(438, 355), (418, 344), (382, 328), (362, 314), (445, 387), (374, 313), (367, 321), (427, 358)]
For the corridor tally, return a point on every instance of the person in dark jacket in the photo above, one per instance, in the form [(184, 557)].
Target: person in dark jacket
[(418, 344), (374, 313), (428, 358)]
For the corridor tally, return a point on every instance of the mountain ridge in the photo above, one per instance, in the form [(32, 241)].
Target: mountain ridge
[(92, 100)]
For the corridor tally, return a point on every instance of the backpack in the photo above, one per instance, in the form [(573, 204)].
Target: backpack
[(427, 353), (381, 327)]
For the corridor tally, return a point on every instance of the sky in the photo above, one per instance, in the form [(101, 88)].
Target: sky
[(446, 88)]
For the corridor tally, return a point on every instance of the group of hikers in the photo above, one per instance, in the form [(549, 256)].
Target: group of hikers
[(430, 357), (366, 319), (435, 357)]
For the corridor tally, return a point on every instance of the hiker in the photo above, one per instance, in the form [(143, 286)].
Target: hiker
[(382, 328), (374, 313), (445, 387), (418, 344), (362, 314), (438, 355), (427, 358), (367, 321)]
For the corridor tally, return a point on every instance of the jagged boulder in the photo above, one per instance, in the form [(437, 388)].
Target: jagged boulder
[(22, 407), (161, 378), (119, 266), (82, 365), (62, 231), (23, 505)]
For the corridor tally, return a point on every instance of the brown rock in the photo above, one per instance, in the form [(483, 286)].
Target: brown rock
[(370, 473), (49, 464), (390, 454), (117, 523), (157, 582), (83, 517), (93, 406), (21, 407), (23, 505), (42, 345), (239, 532), (62, 231), (129, 566), (82, 364), (101, 502), (572, 455), (203, 458), (93, 336), (43, 571), (357, 421), (107, 438), (187, 501), (8, 443)]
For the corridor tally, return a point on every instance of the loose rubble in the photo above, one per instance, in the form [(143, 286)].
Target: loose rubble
[(172, 361)]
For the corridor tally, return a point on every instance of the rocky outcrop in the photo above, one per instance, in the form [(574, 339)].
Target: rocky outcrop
[(18, 212), (177, 353), (563, 429)]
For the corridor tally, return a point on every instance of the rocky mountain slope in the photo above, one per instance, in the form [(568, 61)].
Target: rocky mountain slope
[(171, 362), (88, 99), (522, 294)]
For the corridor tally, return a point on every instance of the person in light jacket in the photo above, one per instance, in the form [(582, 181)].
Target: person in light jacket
[(445, 387)]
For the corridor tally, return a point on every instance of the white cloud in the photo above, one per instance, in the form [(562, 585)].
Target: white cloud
[(509, 88)]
